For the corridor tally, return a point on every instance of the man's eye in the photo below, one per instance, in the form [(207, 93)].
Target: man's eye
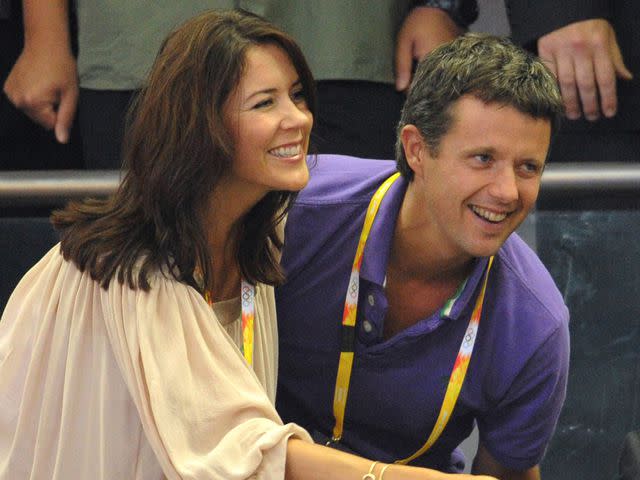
[(483, 158), (530, 167)]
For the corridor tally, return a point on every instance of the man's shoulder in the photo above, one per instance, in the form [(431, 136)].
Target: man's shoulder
[(339, 179), (327, 217), (524, 276)]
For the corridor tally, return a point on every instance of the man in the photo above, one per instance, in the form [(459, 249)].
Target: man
[(472, 143)]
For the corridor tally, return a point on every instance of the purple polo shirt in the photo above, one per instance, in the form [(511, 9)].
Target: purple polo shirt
[(516, 381)]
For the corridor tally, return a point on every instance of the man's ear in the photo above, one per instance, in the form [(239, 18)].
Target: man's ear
[(415, 148)]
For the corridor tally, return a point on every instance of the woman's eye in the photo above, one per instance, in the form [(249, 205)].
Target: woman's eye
[(299, 96), (263, 103)]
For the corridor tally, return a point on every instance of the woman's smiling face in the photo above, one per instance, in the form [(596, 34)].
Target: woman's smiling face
[(270, 123)]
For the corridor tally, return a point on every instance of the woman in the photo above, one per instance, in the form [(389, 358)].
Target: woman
[(121, 351)]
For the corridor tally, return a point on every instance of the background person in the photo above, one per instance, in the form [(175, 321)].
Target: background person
[(25, 145), (116, 47), (363, 66), (354, 62), (592, 47)]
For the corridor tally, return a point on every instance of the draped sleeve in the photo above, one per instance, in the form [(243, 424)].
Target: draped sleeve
[(202, 408)]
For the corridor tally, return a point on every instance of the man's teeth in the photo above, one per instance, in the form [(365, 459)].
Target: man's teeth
[(488, 215), (286, 151)]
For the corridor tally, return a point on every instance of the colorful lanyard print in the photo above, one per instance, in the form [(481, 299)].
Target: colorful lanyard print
[(345, 364), (247, 297)]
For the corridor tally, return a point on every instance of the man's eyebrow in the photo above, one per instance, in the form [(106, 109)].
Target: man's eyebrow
[(480, 149)]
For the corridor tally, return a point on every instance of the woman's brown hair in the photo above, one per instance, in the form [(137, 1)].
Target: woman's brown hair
[(176, 150)]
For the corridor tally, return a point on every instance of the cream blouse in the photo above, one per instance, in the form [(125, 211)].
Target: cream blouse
[(126, 384)]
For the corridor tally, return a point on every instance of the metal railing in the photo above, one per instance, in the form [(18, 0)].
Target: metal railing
[(52, 188), (44, 188)]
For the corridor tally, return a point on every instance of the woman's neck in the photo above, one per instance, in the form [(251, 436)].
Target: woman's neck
[(223, 215)]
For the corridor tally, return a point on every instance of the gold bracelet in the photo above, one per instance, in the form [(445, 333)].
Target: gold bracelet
[(369, 475), (383, 470)]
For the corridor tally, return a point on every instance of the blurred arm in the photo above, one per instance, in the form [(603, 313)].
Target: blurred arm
[(587, 60), (485, 464), (44, 83), (428, 25)]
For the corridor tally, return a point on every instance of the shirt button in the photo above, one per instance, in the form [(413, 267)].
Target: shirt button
[(366, 326), (371, 300)]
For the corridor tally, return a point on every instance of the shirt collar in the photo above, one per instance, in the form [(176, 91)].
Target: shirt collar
[(458, 302)]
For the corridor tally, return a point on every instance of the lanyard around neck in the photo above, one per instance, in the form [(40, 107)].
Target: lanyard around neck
[(345, 363), (247, 299)]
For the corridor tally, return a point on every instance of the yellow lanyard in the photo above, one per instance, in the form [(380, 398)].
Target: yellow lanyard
[(247, 298), (345, 364)]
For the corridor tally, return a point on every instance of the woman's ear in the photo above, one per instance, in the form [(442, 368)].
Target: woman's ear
[(415, 148)]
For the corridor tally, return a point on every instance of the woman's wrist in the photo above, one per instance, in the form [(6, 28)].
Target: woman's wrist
[(371, 474)]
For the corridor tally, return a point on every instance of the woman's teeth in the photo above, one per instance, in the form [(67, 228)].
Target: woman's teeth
[(289, 151)]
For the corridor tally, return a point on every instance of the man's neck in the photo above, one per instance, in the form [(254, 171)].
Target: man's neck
[(418, 252), (422, 274)]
